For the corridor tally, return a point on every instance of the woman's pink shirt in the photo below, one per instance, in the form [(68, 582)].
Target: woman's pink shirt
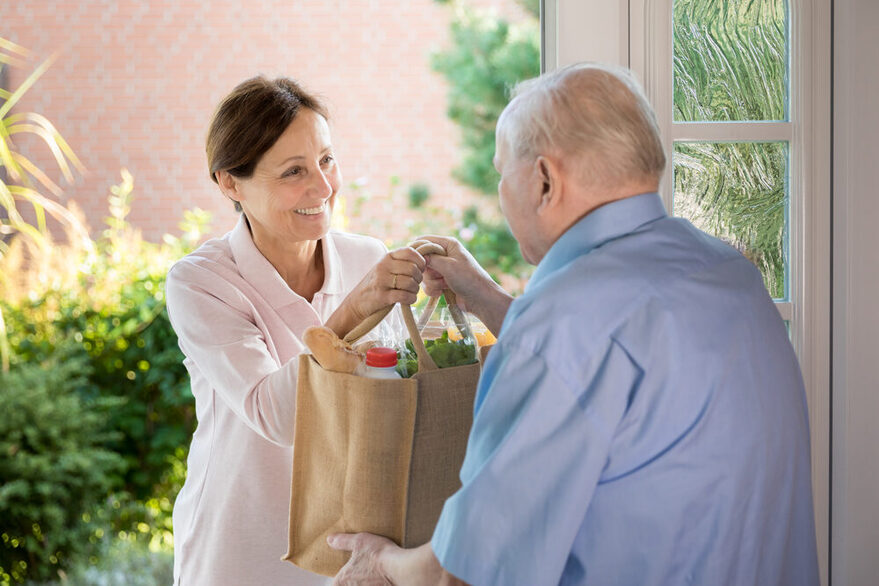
[(240, 328)]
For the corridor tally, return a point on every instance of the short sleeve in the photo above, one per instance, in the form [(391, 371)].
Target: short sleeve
[(534, 457), (222, 340)]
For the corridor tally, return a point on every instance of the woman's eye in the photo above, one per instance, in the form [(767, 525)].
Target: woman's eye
[(327, 160), (293, 171)]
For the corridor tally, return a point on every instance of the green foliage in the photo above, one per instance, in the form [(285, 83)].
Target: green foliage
[(83, 328), (123, 561), (108, 297), (134, 354), (730, 64), (493, 245), (21, 177), (418, 194), (487, 58), (54, 467), (730, 60), (531, 6), (736, 191), (18, 174)]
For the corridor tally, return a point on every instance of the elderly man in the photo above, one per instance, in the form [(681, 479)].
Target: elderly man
[(641, 419)]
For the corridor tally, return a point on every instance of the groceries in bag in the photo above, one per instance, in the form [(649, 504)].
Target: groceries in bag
[(331, 352), (380, 363)]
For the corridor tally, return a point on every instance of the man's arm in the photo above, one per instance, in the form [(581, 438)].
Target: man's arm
[(378, 560)]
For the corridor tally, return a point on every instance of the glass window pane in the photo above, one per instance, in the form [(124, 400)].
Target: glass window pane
[(738, 192), (730, 60)]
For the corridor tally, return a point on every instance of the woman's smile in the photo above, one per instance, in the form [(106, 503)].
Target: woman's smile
[(315, 211)]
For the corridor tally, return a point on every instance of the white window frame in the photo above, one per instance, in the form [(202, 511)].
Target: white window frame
[(638, 34)]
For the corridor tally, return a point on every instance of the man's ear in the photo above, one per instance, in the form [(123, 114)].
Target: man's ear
[(229, 185), (549, 176)]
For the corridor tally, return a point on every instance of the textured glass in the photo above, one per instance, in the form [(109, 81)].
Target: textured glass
[(730, 60), (737, 192)]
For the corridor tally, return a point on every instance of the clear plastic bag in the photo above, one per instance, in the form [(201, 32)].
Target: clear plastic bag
[(450, 341)]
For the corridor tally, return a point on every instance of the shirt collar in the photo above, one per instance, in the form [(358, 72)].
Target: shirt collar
[(599, 226), (333, 281), (260, 273)]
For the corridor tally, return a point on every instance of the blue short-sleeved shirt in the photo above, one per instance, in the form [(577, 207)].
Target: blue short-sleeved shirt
[(641, 420)]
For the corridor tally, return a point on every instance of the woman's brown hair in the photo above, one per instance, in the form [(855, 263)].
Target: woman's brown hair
[(250, 119)]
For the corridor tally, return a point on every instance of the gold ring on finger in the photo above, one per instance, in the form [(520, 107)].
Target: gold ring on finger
[(394, 285)]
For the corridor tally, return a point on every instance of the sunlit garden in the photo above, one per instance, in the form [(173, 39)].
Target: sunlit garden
[(97, 408)]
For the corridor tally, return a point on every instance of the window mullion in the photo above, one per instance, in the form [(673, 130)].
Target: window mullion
[(732, 131)]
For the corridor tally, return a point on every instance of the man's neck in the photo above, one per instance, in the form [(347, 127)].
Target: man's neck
[(589, 200)]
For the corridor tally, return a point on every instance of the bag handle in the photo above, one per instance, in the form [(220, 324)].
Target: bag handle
[(425, 362), (426, 247)]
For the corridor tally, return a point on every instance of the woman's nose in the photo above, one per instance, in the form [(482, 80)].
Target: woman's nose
[(322, 184)]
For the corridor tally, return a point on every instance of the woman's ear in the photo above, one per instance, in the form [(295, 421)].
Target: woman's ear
[(229, 185)]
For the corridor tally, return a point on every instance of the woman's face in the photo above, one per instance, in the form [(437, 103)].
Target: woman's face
[(291, 194)]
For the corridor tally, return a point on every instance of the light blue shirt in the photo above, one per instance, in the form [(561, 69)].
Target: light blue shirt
[(641, 420)]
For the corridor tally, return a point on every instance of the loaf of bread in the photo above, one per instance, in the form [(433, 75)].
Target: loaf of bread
[(331, 352)]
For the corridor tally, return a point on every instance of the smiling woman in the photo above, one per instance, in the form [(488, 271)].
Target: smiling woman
[(250, 120), (240, 304), (289, 197), (303, 183)]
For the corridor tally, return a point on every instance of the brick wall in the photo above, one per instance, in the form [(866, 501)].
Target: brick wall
[(136, 83)]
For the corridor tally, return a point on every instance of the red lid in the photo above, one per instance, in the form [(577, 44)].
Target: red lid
[(381, 357)]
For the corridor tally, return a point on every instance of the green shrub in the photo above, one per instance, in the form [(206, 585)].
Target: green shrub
[(486, 58), (418, 194), (733, 65), (92, 314), (107, 295), (493, 245), (135, 358), (124, 561), (54, 470)]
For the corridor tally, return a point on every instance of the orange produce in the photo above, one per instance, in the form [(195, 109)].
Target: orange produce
[(483, 336)]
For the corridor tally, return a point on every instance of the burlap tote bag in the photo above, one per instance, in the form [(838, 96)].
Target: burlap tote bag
[(372, 455)]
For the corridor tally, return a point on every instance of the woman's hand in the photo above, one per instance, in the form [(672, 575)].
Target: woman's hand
[(394, 279)]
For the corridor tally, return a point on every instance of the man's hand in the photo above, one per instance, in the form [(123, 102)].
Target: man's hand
[(378, 561), (365, 565), (475, 290)]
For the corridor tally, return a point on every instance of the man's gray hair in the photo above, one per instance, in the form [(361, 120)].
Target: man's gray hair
[(594, 113)]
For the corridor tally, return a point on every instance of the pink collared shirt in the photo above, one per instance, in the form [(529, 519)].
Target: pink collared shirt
[(240, 327)]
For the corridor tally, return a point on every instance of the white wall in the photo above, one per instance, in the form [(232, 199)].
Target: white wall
[(855, 390), (592, 31)]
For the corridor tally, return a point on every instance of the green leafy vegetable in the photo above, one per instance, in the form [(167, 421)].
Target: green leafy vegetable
[(445, 353)]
